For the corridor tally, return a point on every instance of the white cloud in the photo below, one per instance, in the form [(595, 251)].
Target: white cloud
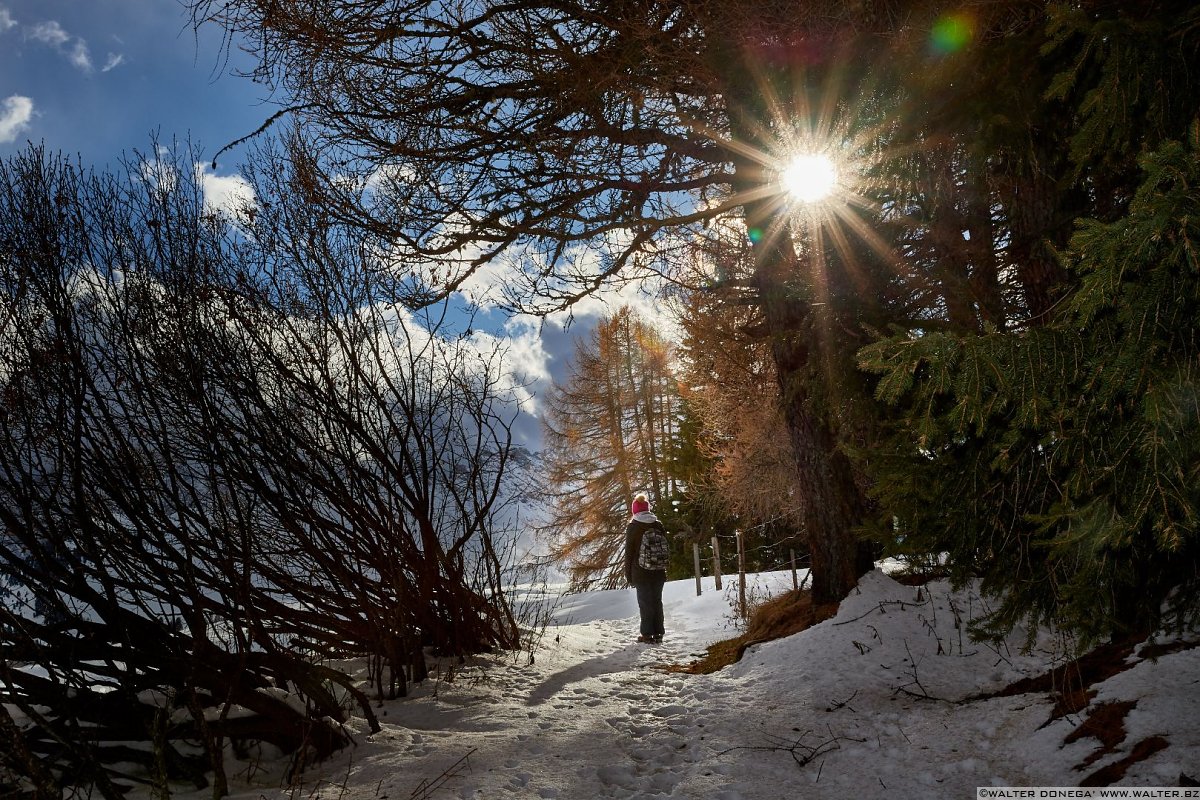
[(485, 286), (74, 48), (526, 360), (539, 350), (227, 195), (79, 55), (160, 172), (6, 20), (388, 176), (113, 61), (527, 355), (515, 270), (50, 33), (15, 113)]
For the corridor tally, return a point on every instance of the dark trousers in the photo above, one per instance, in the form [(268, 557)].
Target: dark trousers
[(650, 606)]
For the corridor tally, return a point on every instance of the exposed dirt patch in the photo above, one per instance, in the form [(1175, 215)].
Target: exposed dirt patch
[(778, 617), (1107, 776), (1151, 652), (1106, 723), (1072, 687), (1071, 684)]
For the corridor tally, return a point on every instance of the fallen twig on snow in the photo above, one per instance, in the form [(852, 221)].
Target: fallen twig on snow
[(801, 753), (882, 609), (840, 704), (427, 787), (923, 693)]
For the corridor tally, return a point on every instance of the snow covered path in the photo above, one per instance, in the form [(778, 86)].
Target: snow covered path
[(602, 719), (868, 705)]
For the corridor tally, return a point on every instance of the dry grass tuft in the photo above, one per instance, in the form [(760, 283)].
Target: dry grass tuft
[(778, 617)]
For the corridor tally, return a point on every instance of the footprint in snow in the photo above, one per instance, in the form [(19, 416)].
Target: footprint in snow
[(670, 711)]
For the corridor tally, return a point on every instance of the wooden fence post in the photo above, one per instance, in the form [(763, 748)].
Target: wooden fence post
[(741, 554), (717, 561), (795, 581), (696, 559)]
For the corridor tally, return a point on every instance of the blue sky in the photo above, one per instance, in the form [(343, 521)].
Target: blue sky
[(96, 78)]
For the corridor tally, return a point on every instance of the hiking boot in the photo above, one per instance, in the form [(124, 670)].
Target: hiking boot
[(646, 639)]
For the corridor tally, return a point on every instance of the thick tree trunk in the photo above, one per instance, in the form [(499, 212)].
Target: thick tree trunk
[(831, 501), (1038, 203)]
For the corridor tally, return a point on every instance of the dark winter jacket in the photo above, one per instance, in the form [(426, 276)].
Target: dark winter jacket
[(633, 544)]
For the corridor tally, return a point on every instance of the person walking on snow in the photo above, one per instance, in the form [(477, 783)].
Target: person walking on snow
[(647, 582)]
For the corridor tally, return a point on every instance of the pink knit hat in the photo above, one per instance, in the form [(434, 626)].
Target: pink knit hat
[(640, 504)]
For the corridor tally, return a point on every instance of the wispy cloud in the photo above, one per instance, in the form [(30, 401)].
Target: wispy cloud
[(6, 20), (79, 56), (50, 33), (15, 113), (73, 48)]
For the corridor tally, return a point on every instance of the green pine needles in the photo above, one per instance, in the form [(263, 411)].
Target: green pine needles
[(1061, 464)]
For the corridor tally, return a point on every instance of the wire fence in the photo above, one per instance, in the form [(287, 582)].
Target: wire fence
[(781, 554), (793, 562)]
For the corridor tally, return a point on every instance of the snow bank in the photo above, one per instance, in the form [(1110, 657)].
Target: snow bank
[(871, 704)]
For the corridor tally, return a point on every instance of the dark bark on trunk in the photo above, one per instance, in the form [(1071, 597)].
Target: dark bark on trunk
[(1040, 211), (832, 502), (981, 250)]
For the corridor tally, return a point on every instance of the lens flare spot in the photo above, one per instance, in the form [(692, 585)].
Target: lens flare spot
[(755, 235), (951, 33)]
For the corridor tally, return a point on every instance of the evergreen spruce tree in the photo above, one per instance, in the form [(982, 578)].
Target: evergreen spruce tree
[(1059, 460)]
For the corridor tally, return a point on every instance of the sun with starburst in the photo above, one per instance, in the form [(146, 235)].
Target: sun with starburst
[(809, 177)]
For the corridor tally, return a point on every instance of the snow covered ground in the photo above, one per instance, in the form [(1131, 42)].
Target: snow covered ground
[(869, 704)]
